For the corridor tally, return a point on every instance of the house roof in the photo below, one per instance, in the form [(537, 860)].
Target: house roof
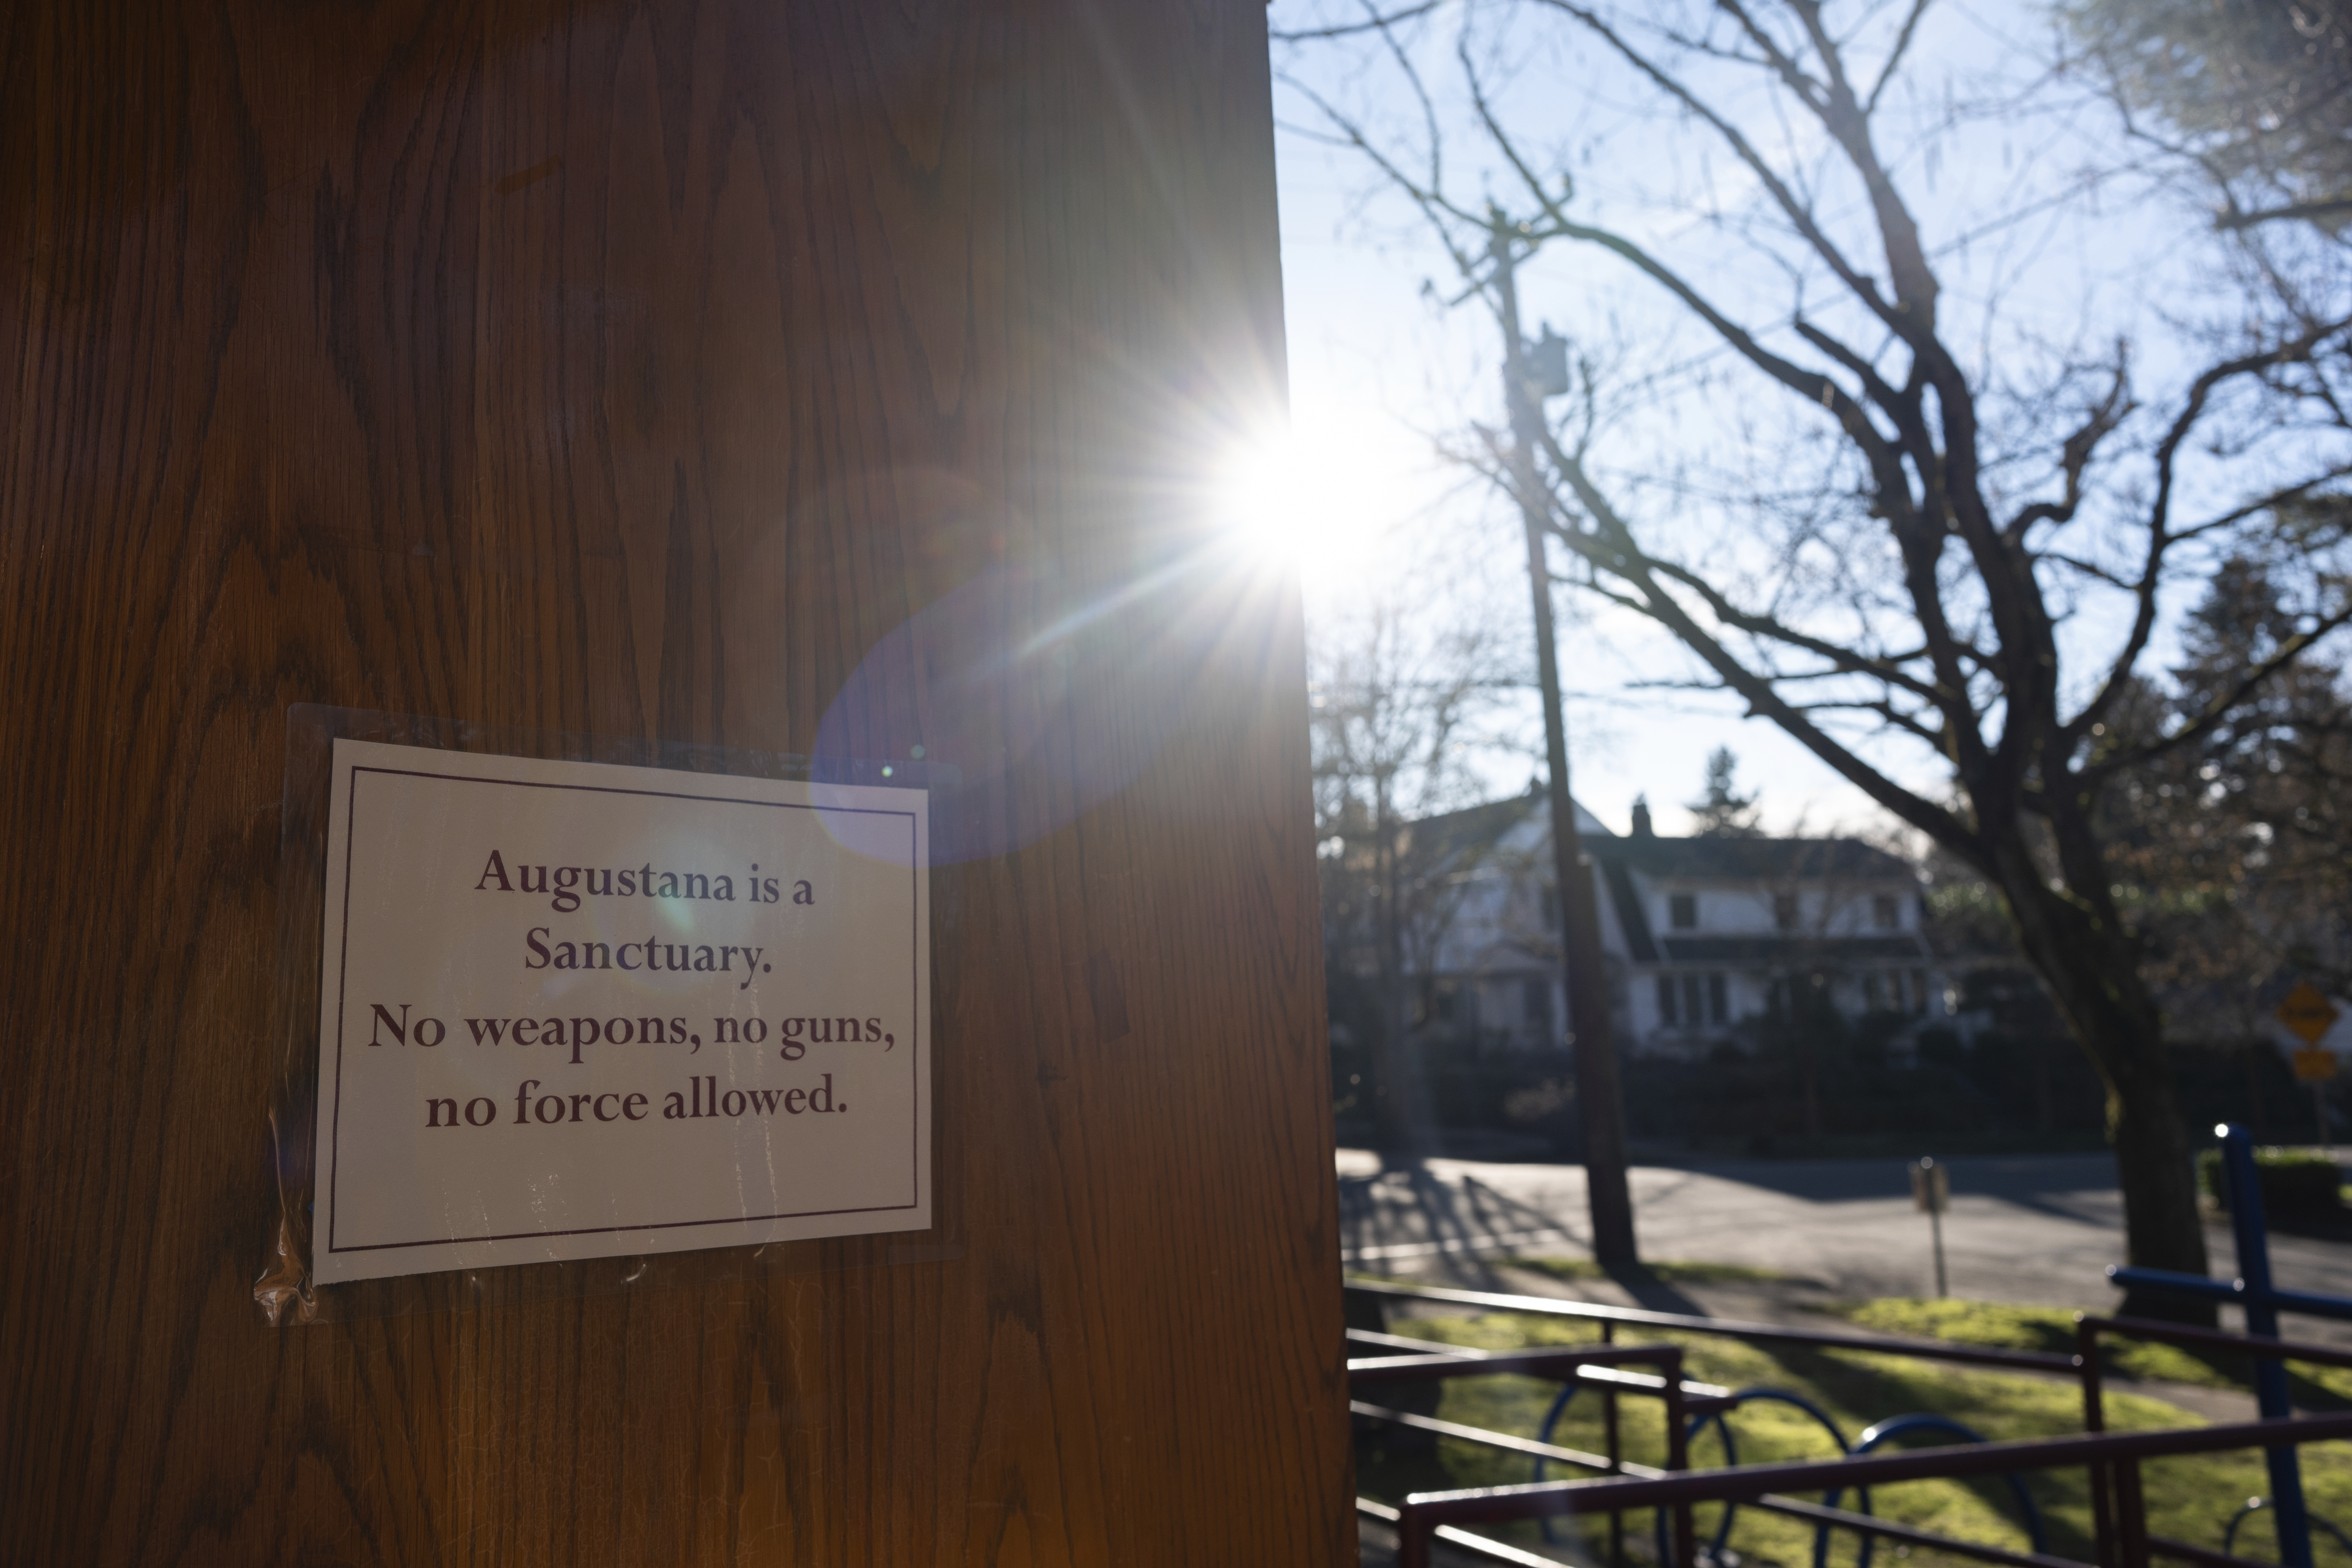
[(1472, 833), (1477, 828), (1632, 919), (1473, 830), (1753, 860)]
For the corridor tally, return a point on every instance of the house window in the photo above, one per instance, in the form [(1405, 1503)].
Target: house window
[(1692, 1001), (1682, 908), (1784, 912), (1885, 912), (1535, 1006)]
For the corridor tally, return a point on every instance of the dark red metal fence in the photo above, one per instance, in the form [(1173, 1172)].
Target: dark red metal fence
[(2111, 1461)]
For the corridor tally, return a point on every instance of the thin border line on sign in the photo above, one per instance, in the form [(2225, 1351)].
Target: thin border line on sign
[(342, 982), (342, 979), (649, 1225), (914, 913)]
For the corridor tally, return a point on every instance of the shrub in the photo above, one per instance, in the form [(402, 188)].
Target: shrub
[(2293, 1181)]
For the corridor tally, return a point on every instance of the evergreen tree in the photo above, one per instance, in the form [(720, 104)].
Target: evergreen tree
[(1722, 811), (2257, 92), (2238, 849)]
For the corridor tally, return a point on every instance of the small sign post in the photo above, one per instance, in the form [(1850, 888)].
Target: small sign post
[(2309, 1013), (1931, 1189)]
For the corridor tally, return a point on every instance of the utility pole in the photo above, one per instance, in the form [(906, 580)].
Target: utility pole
[(1598, 1096)]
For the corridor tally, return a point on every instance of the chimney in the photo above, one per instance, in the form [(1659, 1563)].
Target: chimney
[(1641, 816)]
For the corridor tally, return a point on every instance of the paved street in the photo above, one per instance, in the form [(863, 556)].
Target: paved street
[(2038, 1229)]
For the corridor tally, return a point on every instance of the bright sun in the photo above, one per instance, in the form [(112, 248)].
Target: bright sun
[(1321, 500)]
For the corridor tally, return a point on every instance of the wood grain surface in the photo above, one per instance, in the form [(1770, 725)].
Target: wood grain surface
[(773, 374)]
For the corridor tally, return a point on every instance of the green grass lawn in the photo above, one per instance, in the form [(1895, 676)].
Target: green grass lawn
[(2052, 1329), (2189, 1498)]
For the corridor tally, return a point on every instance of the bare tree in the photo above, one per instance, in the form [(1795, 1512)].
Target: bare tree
[(1954, 525), (1397, 708)]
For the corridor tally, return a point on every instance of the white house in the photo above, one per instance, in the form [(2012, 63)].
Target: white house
[(1702, 937)]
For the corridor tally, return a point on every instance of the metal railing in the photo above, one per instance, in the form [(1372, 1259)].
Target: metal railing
[(1591, 1366), (2254, 1291), (1425, 1512), (2111, 1460)]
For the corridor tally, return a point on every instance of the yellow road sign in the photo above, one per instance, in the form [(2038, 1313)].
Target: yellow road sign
[(2315, 1066), (2307, 1011)]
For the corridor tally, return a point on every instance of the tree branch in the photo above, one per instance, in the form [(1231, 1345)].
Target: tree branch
[(1846, 660), (1886, 711), (2277, 498), (1429, 200), (2159, 540), (1912, 314), (1812, 384), (1611, 549), (2075, 455), (2025, 633), (2234, 217), (1797, 212), (2089, 569), (1948, 693), (1349, 29), (1894, 55)]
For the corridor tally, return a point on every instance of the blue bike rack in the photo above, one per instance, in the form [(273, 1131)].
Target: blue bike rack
[(1730, 1457), (2254, 1506), (1894, 1427), (2262, 1302)]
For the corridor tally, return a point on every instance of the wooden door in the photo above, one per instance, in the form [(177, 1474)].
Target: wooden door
[(745, 372)]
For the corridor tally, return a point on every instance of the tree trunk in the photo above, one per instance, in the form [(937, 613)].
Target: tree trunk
[(1392, 1092), (1810, 1081), (2157, 1168), (2077, 942)]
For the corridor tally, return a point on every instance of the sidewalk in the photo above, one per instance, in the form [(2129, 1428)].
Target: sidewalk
[(2036, 1230)]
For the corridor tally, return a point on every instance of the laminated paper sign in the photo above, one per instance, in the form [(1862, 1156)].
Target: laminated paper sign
[(571, 1010)]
